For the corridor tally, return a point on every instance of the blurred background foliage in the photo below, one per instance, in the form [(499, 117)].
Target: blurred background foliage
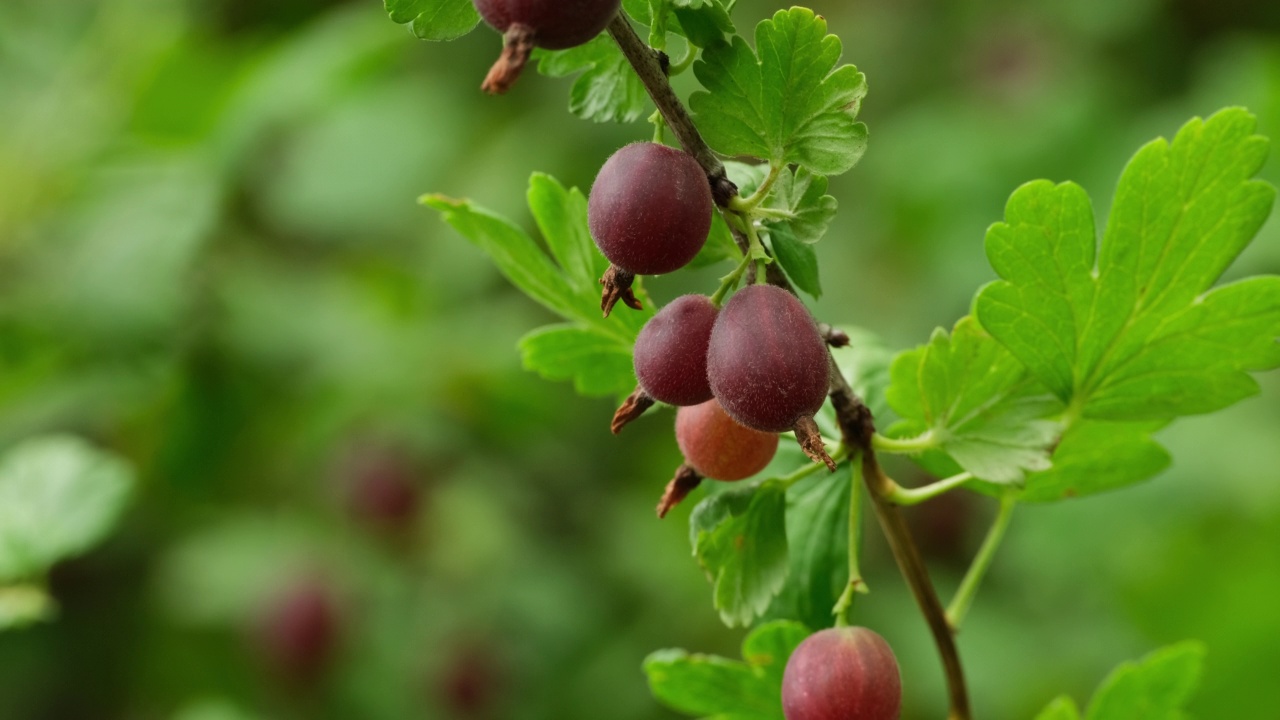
[(353, 501)]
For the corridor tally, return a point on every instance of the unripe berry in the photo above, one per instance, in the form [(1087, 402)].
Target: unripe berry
[(671, 351), (719, 448), (846, 673), (650, 209), (767, 363), (556, 24)]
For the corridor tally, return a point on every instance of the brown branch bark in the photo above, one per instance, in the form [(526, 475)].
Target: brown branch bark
[(856, 423)]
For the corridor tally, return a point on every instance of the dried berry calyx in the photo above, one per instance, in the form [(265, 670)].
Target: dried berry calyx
[(720, 448), (650, 209), (550, 24), (846, 673)]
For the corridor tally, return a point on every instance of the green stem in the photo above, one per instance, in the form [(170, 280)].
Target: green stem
[(659, 124), (959, 606), (745, 206), (914, 496), (683, 63), (856, 584), (730, 281), (756, 252), (905, 446), (839, 455)]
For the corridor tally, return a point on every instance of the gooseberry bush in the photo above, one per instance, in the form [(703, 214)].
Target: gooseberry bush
[(1049, 389)]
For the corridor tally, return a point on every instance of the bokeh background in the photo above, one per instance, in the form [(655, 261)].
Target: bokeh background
[(211, 262)]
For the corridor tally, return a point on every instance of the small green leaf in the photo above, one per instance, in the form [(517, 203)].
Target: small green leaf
[(740, 539), (607, 90), (1157, 687), (818, 548), (797, 259), (802, 197), (59, 496), (719, 246), (987, 412), (715, 687), (599, 365), (434, 19), (22, 605), (1132, 330), (703, 22), (559, 212), (1062, 708), (791, 104)]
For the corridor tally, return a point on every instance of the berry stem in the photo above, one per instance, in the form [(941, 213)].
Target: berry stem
[(856, 584), (914, 496), (730, 281), (905, 446), (747, 206), (839, 456), (959, 606)]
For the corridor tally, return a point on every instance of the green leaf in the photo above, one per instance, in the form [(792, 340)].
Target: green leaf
[(740, 539), (818, 548), (594, 352), (797, 259), (791, 104), (1062, 708), (1154, 688), (59, 496), (607, 90), (802, 198), (719, 246), (715, 687), (983, 407), (559, 212), (22, 605), (703, 22), (1132, 330), (599, 365), (1096, 456), (434, 19)]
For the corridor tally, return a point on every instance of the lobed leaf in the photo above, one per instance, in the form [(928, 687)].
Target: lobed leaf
[(1132, 330), (739, 538), (985, 410), (701, 22), (786, 102), (59, 496), (606, 90), (715, 687), (434, 19), (1154, 688)]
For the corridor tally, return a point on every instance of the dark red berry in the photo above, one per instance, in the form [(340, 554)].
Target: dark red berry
[(846, 673), (671, 351), (556, 24), (767, 363), (297, 631), (382, 487), (650, 209), (719, 448)]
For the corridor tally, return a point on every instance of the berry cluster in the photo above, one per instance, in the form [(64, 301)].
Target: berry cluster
[(741, 373)]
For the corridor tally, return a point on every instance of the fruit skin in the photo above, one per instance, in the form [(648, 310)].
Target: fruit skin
[(719, 448), (767, 363), (650, 208), (557, 24), (846, 673), (671, 351)]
